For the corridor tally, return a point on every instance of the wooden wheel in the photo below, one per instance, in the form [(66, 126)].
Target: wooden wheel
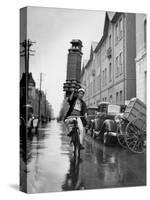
[(135, 138), (121, 140)]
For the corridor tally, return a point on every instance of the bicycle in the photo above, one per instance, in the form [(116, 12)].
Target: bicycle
[(74, 134)]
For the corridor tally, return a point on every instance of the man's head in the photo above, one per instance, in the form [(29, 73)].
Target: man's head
[(81, 93)]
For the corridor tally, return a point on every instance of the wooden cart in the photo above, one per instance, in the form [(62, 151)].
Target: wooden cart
[(132, 127)]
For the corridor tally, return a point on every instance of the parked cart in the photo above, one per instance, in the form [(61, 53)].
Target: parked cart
[(132, 127)]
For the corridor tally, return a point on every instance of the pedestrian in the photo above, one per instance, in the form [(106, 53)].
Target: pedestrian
[(77, 108)]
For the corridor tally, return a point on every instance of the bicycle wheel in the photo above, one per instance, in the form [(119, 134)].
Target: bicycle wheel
[(135, 138), (76, 143)]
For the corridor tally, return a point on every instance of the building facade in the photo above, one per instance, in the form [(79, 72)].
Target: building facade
[(89, 78), (111, 73), (141, 57)]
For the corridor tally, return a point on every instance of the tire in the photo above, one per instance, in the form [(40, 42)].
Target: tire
[(76, 144), (76, 151)]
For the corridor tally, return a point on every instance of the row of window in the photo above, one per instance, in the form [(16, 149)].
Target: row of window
[(104, 77), (119, 98), (119, 64), (119, 69), (118, 31), (94, 86), (104, 99)]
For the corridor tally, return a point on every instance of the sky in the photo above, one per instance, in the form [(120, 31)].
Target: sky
[(52, 29)]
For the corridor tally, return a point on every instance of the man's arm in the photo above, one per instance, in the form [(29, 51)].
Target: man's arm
[(71, 97)]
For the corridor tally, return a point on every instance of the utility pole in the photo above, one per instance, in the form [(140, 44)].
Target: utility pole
[(26, 53), (45, 106), (39, 107)]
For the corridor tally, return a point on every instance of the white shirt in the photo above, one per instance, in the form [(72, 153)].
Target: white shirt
[(77, 105)]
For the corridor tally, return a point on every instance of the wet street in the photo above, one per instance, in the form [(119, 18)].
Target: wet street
[(51, 166)]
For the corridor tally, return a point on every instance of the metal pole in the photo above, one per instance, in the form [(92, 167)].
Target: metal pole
[(39, 112), (45, 106), (27, 70), (26, 74)]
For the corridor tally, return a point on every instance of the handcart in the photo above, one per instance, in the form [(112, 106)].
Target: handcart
[(132, 127)]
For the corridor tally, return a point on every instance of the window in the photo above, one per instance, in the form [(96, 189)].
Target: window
[(94, 86), (116, 33), (145, 32), (117, 98), (109, 41), (116, 65), (91, 88), (105, 76), (120, 63), (121, 97), (120, 28), (98, 83), (110, 72), (110, 98), (103, 106), (98, 70)]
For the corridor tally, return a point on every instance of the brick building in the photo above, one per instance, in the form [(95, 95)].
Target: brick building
[(110, 72)]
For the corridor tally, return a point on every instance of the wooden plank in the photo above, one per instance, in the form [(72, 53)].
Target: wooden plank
[(134, 109)]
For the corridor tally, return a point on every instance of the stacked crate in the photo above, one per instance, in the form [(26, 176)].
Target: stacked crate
[(73, 67), (136, 109), (71, 85)]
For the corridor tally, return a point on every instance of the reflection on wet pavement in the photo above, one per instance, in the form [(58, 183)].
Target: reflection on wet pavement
[(51, 166)]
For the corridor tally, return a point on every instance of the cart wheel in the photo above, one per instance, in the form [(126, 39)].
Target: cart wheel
[(135, 138), (121, 140)]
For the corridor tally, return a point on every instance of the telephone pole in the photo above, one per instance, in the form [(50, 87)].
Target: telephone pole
[(26, 53), (45, 106), (39, 106)]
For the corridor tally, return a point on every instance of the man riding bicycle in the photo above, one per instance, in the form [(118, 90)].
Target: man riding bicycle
[(77, 109)]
